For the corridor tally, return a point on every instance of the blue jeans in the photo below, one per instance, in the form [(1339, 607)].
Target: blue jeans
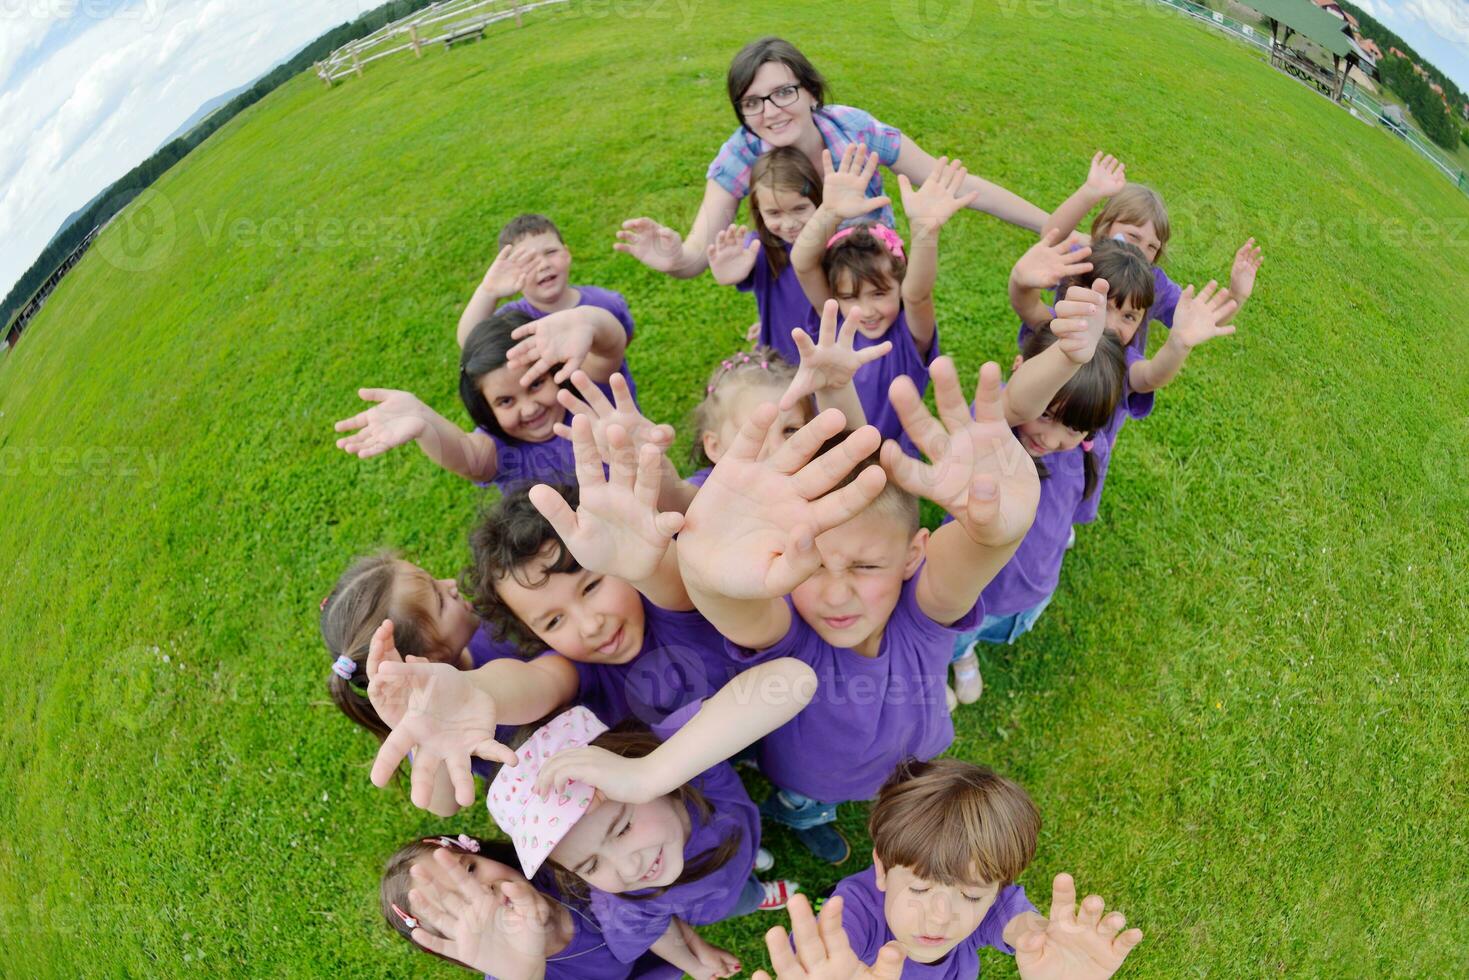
[(1002, 629), (796, 811), (750, 897)]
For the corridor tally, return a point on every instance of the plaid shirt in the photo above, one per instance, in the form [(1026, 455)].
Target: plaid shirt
[(840, 127)]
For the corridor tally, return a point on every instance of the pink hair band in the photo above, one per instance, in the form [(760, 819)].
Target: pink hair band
[(882, 233)]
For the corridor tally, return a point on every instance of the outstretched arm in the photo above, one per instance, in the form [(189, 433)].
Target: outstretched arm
[(979, 473), (730, 259), (752, 705), (1106, 177), (400, 417), (914, 163), (1197, 320), (1081, 318), (1242, 273), (750, 535), (1070, 945), (929, 209), (843, 196), (661, 249)]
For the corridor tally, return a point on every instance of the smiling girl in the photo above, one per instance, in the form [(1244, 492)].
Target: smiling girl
[(779, 98)]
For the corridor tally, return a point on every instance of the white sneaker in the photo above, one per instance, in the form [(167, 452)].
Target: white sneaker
[(1071, 538), (764, 860), (968, 684)]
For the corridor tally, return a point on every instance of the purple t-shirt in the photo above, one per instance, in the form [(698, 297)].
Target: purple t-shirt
[(698, 477), (1032, 572), (867, 929), (632, 925), (872, 379), (553, 461), (606, 299), (782, 304), (1133, 405), (681, 661), (869, 712)]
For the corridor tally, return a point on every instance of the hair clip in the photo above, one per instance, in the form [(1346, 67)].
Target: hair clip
[(324, 600), (1086, 445), (408, 920), (344, 667)]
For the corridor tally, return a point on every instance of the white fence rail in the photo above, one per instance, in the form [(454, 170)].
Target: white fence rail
[(1357, 102), (440, 23)]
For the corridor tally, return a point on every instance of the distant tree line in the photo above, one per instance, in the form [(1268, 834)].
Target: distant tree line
[(135, 181), (1423, 102)]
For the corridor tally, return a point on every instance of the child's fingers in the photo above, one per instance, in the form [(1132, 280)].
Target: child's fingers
[(782, 957), (1092, 908), (801, 386), (355, 422), (647, 475), (1069, 309), (621, 393), (889, 965), (462, 779), (588, 457), (1112, 923), (390, 756), (573, 404), (831, 467), (492, 751), (1063, 899), (925, 431), (873, 203), (425, 774), (845, 503), (751, 435), (537, 369), (570, 365), (869, 354), (380, 649), (555, 510), (948, 396), (989, 400), (800, 448), (833, 936), (436, 944), (804, 934), (1124, 943)]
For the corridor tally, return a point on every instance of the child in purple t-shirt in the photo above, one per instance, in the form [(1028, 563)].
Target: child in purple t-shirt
[(846, 581), (509, 372), (462, 898), (785, 191), (1135, 213), (874, 283), (949, 840)]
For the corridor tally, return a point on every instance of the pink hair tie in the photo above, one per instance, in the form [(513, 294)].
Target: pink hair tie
[(882, 233), (408, 920), (1086, 445)]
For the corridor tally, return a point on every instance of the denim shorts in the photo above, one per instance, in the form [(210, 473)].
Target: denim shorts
[(1002, 629), (798, 812)]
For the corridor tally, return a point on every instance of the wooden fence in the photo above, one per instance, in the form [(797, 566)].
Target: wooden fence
[(441, 23)]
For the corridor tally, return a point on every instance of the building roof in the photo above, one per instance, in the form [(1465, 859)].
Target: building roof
[(1308, 20)]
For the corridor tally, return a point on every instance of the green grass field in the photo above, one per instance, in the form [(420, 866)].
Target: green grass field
[(1243, 717)]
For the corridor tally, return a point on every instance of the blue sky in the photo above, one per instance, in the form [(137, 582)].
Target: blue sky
[(90, 88)]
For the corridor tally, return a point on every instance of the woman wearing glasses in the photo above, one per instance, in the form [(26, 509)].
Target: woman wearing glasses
[(780, 100)]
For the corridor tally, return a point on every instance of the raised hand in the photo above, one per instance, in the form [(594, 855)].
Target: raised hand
[(730, 259), (1050, 260), (1242, 273), (1203, 317), (563, 338), (979, 471), (844, 188), (830, 362), (1072, 946), (616, 529), (751, 531), (506, 275), (499, 929), (620, 411), (823, 951), (1107, 175), (619, 778), (656, 246), (1080, 320), (941, 196), (440, 711), (398, 417)]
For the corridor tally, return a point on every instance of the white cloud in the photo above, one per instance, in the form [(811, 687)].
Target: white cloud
[(1449, 19), (95, 98)]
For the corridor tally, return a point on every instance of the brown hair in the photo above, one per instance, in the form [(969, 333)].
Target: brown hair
[(734, 374), (373, 590), (865, 259), (396, 881), (950, 821), (784, 168), (894, 501), (1126, 269), (1087, 401), (506, 543), (632, 740), (525, 225), (746, 63), (1135, 204)]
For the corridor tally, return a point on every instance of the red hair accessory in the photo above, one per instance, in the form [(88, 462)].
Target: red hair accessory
[(408, 920)]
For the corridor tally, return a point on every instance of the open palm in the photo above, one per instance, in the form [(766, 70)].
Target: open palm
[(500, 934), (844, 187), (941, 196), (658, 247), (620, 411), (1073, 945), (979, 471), (1202, 317), (832, 361), (750, 533), (399, 417), (1050, 260)]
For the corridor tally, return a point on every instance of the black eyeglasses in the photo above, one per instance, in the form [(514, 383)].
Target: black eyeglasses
[(755, 104)]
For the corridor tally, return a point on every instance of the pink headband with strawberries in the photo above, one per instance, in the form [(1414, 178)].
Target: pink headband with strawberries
[(882, 233), (536, 825)]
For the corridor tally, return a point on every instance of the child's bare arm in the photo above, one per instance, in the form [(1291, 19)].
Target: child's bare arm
[(660, 248), (844, 195), (400, 417), (504, 278), (1043, 266), (1106, 177), (674, 949), (929, 208), (750, 536), (1197, 320), (752, 705), (979, 473), (1081, 318)]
